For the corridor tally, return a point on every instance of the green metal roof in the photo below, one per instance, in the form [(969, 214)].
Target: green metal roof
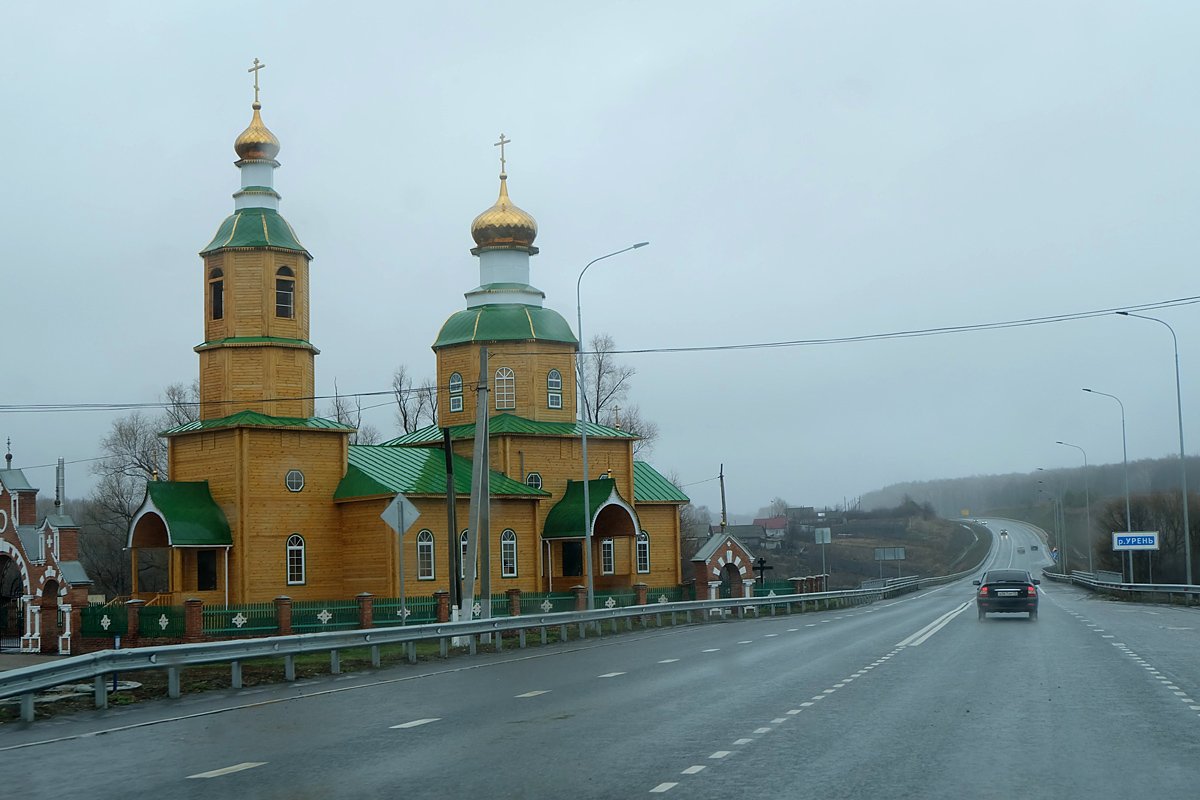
[(192, 517), (245, 341), (502, 424), (14, 480), (506, 322), (253, 419), (378, 470), (649, 486), (565, 519), (255, 227)]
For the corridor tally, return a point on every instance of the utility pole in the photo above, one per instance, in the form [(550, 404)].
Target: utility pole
[(724, 518), (477, 533), (455, 552)]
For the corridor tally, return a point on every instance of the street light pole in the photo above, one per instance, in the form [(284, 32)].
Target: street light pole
[(1125, 462), (1187, 529), (1087, 501), (587, 510), (1060, 525)]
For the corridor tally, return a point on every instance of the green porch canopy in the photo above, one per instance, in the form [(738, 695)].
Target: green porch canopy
[(565, 520), (187, 508)]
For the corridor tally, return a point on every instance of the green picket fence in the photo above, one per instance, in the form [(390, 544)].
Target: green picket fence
[(547, 602), (309, 616), (249, 619), (386, 611), (618, 600), (665, 594), (778, 587), (161, 622), (103, 621)]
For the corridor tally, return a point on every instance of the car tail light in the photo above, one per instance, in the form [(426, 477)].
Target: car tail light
[(1032, 590), (983, 591)]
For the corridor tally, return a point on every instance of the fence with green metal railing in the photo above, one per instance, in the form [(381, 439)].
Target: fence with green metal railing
[(248, 619), (104, 621), (547, 602), (778, 587), (666, 594), (310, 616), (161, 622), (615, 599), (387, 611)]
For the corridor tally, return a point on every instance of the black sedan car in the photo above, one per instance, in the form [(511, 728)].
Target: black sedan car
[(1007, 591)]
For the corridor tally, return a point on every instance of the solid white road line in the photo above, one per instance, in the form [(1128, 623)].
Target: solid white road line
[(415, 723), (534, 693), (216, 773), (933, 627)]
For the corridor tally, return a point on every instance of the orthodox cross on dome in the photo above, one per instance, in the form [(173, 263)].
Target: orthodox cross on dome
[(257, 66), (501, 144)]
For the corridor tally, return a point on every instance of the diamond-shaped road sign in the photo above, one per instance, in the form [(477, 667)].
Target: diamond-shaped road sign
[(400, 514)]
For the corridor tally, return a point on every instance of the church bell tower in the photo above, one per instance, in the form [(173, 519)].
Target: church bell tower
[(256, 355)]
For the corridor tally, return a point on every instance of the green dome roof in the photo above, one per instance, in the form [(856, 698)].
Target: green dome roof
[(508, 322), (255, 227)]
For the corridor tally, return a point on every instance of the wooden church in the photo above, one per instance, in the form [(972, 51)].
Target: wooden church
[(264, 498)]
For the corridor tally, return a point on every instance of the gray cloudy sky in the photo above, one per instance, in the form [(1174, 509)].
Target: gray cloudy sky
[(802, 170)]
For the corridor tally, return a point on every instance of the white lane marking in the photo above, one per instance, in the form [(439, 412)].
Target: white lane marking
[(838, 685), (693, 770), (828, 691), (663, 787), (762, 730), (534, 693), (929, 630), (710, 650), (825, 620), (720, 754), (668, 661), (805, 704), (819, 697), (742, 741), (779, 720), (811, 625), (216, 773), (1179, 694), (1108, 636), (1195, 708), (746, 641), (859, 674), (610, 674), (769, 635), (795, 710), (792, 630), (415, 723)]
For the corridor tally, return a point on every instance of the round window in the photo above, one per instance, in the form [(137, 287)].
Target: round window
[(294, 480), (534, 479)]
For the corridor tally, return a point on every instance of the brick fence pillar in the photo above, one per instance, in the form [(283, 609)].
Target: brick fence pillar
[(639, 593), (283, 615), (366, 610), (580, 597), (193, 620), (514, 602), (824, 582), (133, 610), (443, 605), (797, 585)]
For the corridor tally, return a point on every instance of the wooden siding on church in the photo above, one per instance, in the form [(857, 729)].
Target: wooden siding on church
[(661, 523), (530, 362)]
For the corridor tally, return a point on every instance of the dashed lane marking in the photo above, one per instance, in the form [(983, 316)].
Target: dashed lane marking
[(693, 770), (762, 730), (534, 693), (779, 720), (416, 723), (610, 674), (720, 754), (663, 787), (710, 650), (740, 742), (668, 661), (216, 773)]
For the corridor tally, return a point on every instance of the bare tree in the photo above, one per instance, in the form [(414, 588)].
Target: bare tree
[(416, 407), (605, 381), (630, 419), (181, 404)]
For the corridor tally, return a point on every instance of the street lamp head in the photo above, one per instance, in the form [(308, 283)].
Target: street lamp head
[(1123, 313), (640, 244), (1087, 390), (1060, 442)]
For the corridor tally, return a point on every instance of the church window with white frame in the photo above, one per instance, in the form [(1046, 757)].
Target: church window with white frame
[(606, 557), (508, 554), (643, 552), (295, 560), (456, 392), (506, 389), (425, 556), (534, 479), (554, 389)]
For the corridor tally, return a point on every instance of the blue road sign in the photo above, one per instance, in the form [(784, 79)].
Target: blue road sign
[(1135, 540)]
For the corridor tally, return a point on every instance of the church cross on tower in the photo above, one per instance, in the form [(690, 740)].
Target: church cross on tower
[(257, 66), (501, 144)]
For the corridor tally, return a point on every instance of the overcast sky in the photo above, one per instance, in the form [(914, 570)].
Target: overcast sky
[(802, 170)]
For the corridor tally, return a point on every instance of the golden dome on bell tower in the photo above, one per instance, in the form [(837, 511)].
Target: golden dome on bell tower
[(504, 225), (257, 141)]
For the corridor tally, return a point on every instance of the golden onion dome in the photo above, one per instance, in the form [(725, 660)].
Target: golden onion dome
[(257, 141), (504, 224)]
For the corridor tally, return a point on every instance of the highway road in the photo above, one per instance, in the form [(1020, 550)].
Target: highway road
[(912, 697)]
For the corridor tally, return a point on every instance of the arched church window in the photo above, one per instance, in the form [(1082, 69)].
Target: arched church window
[(554, 389), (643, 552), (456, 392), (606, 557), (508, 554), (534, 479), (285, 293), (425, 556), (216, 293), (295, 559), (506, 389)]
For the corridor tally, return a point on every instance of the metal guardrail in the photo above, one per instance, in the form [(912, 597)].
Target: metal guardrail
[(26, 682), (1138, 592)]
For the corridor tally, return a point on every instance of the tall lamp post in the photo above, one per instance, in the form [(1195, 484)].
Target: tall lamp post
[(1087, 501), (587, 506), (1060, 528), (1187, 530), (1125, 462)]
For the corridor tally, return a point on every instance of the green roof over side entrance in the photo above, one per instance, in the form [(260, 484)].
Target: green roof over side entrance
[(650, 486), (502, 424), (253, 419), (565, 520), (255, 227), (193, 518), (378, 470), (505, 322)]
